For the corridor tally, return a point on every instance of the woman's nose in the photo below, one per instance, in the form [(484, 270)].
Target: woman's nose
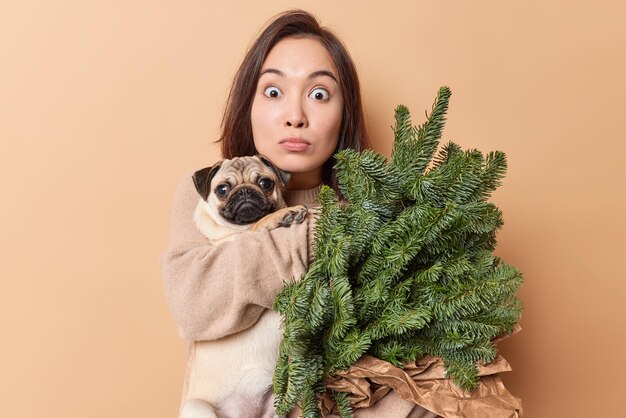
[(295, 115)]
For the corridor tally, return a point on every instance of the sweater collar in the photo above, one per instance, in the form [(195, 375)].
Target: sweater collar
[(302, 197)]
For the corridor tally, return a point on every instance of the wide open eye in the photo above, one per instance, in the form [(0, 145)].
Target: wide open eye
[(265, 183), (320, 94), (272, 91), (222, 189)]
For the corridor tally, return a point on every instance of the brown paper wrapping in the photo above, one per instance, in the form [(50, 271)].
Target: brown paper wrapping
[(424, 383)]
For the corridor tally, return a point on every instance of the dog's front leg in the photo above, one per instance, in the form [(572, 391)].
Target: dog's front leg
[(282, 217)]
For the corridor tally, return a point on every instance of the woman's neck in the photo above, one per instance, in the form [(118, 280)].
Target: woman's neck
[(305, 180)]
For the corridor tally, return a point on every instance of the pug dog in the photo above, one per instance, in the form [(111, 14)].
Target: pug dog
[(232, 377), (242, 194)]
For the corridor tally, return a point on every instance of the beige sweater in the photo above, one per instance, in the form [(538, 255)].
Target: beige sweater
[(217, 290)]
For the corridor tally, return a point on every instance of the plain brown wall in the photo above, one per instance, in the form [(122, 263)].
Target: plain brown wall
[(104, 105)]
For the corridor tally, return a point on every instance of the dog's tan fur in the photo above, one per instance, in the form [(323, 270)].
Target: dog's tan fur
[(232, 376)]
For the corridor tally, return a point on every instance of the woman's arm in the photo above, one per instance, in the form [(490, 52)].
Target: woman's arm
[(217, 290)]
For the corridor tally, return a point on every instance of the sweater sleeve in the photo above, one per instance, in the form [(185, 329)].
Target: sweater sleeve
[(217, 290)]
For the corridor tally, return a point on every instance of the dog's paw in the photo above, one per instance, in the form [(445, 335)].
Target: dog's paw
[(196, 408), (293, 215), (283, 217)]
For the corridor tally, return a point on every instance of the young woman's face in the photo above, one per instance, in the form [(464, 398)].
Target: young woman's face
[(297, 109)]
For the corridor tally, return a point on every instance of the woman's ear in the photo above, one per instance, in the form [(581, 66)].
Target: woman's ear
[(283, 175)]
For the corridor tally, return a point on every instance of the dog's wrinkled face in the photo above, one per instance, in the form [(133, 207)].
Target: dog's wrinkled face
[(242, 190)]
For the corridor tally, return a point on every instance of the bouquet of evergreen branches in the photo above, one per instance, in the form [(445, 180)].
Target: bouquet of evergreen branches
[(403, 269)]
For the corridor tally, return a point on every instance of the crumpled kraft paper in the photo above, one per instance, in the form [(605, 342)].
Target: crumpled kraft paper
[(424, 383)]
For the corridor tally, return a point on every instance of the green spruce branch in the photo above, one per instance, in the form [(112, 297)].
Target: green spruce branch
[(402, 270)]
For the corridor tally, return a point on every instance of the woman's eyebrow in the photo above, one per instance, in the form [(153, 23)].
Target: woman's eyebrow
[(272, 71), (323, 73), (312, 75)]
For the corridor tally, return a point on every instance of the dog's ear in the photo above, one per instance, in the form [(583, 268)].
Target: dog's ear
[(282, 175), (202, 179)]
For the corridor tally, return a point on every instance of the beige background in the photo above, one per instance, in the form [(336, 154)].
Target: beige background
[(104, 105)]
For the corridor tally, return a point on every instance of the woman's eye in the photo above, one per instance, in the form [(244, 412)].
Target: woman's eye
[(319, 94), (222, 189), (272, 92), (266, 184)]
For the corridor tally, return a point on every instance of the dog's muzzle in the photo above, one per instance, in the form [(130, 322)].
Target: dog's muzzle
[(246, 206)]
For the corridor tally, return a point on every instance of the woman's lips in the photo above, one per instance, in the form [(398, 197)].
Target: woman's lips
[(295, 144)]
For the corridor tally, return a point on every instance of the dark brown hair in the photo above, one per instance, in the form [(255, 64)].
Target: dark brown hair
[(236, 136)]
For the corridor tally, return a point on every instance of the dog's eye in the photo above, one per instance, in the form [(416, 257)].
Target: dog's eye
[(265, 183), (222, 189)]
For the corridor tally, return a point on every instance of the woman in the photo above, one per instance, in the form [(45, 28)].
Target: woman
[(296, 100)]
